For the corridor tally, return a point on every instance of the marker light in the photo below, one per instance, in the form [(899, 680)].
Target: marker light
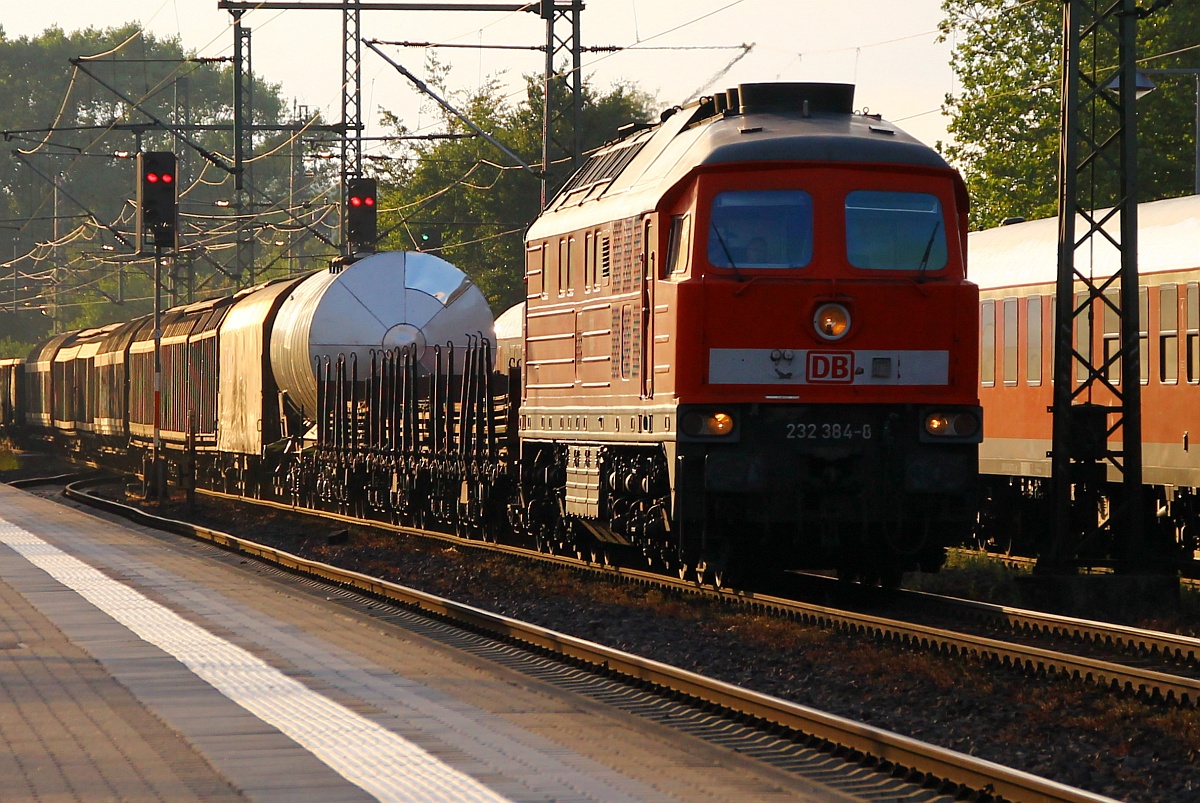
[(832, 321), (952, 424), (699, 424)]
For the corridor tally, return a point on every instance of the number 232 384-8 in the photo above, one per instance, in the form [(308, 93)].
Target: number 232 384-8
[(827, 432)]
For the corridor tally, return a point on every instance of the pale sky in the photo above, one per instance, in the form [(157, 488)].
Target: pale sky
[(888, 48)]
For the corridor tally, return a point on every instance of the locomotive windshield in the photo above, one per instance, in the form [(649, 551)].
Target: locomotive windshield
[(761, 229), (895, 231)]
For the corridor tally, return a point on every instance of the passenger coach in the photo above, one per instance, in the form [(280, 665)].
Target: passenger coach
[(1016, 268)]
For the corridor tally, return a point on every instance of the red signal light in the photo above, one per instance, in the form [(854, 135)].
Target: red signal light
[(167, 178), (359, 221), (152, 178)]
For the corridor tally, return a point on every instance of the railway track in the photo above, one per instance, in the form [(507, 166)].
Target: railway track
[(1140, 681), (895, 755)]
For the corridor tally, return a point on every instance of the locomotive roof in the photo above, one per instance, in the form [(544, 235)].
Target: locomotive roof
[(1027, 253), (773, 123)]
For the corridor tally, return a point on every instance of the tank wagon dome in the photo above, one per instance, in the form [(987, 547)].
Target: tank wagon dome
[(385, 301), (511, 323), (510, 336)]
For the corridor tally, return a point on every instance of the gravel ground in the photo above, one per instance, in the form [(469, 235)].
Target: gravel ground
[(1075, 734)]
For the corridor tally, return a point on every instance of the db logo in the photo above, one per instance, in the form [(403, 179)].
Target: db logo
[(831, 366)]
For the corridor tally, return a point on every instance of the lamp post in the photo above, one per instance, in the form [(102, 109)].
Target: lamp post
[(1145, 85)]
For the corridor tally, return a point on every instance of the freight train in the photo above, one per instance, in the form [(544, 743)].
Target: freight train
[(1016, 267), (748, 342)]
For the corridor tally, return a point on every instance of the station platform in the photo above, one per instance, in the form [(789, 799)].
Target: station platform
[(135, 666)]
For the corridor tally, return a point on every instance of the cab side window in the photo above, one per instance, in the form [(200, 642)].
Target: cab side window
[(679, 246)]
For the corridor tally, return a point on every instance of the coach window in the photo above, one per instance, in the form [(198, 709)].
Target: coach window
[(895, 231), (1193, 333), (1112, 337), (1033, 340), (987, 344), (1168, 334), (1010, 341), (761, 229), (1083, 337), (1144, 335), (678, 245)]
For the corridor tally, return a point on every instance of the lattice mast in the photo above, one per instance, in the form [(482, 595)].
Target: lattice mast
[(1097, 227)]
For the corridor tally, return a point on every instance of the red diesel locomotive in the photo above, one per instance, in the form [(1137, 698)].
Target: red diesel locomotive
[(750, 341)]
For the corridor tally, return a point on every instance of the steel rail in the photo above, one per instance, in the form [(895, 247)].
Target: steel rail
[(1035, 660), (1170, 646), (883, 749), (1135, 680), (1146, 683)]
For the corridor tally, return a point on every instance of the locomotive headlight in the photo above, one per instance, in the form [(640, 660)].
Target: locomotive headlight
[(832, 321), (956, 424), (697, 424)]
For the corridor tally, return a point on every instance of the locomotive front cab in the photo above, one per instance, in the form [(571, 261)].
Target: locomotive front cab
[(831, 409)]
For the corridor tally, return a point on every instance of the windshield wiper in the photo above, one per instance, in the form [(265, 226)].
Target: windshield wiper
[(728, 255), (924, 266)]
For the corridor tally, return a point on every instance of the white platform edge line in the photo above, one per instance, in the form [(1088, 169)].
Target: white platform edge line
[(363, 752)]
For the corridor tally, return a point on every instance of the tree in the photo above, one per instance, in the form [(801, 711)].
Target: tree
[(72, 261), (1004, 119), (467, 197)]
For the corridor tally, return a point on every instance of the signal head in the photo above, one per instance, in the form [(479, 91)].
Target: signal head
[(156, 202), (360, 219)]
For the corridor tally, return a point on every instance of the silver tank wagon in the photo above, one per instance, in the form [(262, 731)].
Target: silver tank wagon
[(385, 301)]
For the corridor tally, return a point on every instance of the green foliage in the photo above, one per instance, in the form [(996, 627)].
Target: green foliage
[(1005, 116), (74, 243), (468, 193), (971, 575)]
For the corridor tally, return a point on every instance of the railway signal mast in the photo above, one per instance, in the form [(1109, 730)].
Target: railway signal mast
[(1098, 213), (157, 225)]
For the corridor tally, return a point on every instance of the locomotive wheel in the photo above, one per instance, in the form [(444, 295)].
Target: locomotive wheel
[(546, 543), (601, 556)]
